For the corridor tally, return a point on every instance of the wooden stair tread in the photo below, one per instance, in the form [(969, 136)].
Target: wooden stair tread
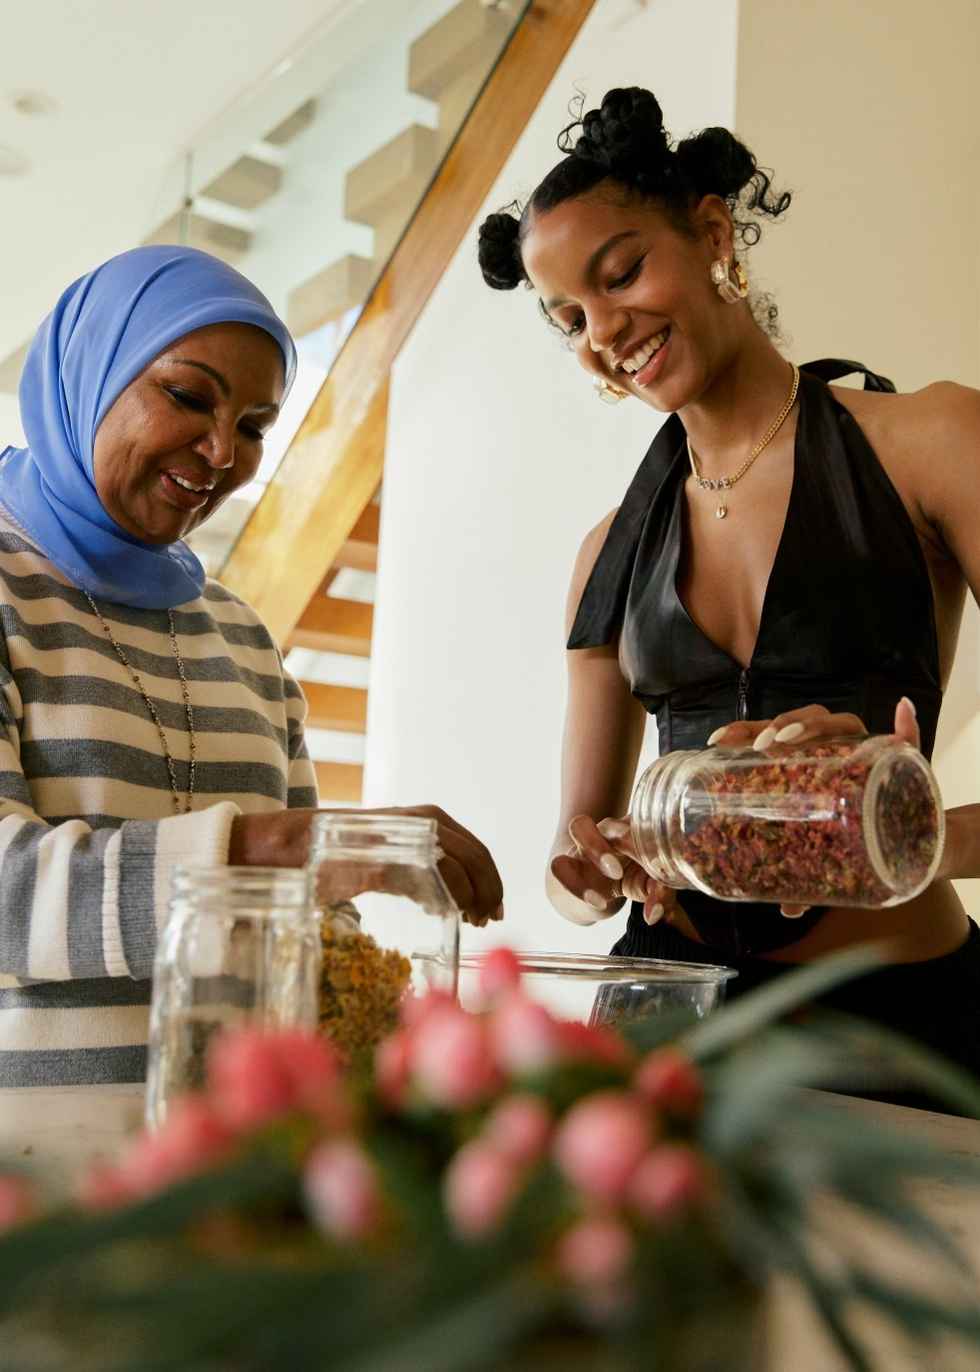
[(226, 241), (329, 293), (247, 183), (343, 708), (332, 625), (467, 37), (393, 177), (339, 780)]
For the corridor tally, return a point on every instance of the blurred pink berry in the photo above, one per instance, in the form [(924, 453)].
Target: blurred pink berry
[(103, 1187), (479, 1184), (592, 1042), (451, 1062), (500, 971), (600, 1142), (16, 1201), (668, 1180), (669, 1080), (190, 1140), (414, 1009), (257, 1073), (392, 1060), (595, 1251), (519, 1126), (341, 1188), (526, 1037)]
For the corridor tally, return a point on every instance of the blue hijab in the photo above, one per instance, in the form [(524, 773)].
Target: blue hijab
[(103, 331)]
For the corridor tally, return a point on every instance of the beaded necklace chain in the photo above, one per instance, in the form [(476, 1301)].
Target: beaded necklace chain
[(171, 767), (722, 483)]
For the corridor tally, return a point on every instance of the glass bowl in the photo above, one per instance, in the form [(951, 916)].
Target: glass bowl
[(607, 990)]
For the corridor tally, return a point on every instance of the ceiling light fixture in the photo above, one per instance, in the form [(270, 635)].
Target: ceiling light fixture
[(33, 104)]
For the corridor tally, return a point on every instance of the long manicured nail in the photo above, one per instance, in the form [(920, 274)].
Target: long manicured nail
[(763, 741), (612, 867), (654, 915), (718, 733), (789, 732), (594, 899), (911, 706), (613, 828)]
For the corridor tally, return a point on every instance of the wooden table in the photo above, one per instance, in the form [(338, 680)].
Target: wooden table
[(62, 1129)]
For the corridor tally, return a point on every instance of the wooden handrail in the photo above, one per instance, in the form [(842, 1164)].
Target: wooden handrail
[(334, 463)]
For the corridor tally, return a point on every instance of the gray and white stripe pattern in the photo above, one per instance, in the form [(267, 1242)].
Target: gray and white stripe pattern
[(88, 838)]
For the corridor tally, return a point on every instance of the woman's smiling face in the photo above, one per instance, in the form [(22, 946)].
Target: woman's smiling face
[(188, 430), (632, 292)]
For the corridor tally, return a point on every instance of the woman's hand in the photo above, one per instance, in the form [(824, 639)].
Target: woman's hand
[(810, 722), (282, 839), (802, 726), (601, 869)]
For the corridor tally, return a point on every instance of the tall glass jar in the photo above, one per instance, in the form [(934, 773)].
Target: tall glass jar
[(239, 944), (832, 822), (390, 926)]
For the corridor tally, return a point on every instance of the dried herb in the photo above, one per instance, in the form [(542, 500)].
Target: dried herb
[(362, 986)]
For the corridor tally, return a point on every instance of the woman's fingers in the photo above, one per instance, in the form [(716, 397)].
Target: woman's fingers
[(790, 727), (587, 882), (590, 843), (467, 866), (906, 725)]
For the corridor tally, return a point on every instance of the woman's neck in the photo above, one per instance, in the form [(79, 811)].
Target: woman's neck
[(738, 405)]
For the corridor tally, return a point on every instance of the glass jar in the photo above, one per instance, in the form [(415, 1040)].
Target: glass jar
[(390, 926), (832, 822), (239, 944)]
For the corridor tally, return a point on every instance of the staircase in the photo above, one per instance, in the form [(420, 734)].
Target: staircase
[(447, 64), (302, 545)]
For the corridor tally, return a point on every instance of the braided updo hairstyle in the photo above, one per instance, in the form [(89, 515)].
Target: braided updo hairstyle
[(624, 142)]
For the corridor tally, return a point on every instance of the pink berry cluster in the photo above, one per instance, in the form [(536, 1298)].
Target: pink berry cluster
[(619, 1140)]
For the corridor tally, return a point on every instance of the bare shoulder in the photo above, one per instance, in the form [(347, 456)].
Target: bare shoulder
[(942, 413), (584, 562)]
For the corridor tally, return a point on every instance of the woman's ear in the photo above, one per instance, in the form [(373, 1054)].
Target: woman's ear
[(714, 219)]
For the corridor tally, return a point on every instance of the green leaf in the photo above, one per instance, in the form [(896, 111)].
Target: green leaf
[(796, 987)]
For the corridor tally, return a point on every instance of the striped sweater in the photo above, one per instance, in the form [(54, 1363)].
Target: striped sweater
[(88, 834)]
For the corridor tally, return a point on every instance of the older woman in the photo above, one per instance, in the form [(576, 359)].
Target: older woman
[(146, 713), (784, 542)]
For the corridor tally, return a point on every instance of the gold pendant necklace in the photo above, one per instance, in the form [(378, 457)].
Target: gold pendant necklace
[(723, 483), (171, 767)]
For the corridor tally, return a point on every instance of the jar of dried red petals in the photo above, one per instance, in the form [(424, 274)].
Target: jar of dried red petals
[(832, 822)]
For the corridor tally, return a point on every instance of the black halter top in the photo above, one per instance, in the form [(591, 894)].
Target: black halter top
[(848, 620)]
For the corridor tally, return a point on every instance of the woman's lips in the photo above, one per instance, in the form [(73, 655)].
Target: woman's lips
[(642, 366), (184, 496)]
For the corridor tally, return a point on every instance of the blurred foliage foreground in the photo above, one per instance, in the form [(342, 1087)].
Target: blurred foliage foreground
[(497, 1191)]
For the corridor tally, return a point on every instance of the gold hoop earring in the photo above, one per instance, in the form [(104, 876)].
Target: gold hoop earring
[(731, 280), (612, 395)]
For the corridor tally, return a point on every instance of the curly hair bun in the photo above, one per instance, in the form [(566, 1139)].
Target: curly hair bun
[(499, 251), (715, 161), (625, 136)]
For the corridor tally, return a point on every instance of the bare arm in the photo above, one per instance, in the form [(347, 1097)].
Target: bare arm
[(281, 839), (603, 732)]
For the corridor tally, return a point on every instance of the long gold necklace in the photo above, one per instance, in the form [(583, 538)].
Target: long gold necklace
[(171, 767), (723, 483)]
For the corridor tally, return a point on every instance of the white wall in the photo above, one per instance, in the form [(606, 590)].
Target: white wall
[(499, 459)]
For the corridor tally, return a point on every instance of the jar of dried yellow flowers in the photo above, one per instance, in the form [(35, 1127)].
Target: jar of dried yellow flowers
[(389, 924)]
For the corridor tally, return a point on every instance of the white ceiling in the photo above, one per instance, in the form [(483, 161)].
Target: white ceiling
[(134, 83)]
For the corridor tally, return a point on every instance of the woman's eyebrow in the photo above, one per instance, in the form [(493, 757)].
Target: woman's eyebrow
[(222, 382), (593, 263)]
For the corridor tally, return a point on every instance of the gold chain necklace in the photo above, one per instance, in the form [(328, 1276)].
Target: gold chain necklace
[(722, 483), (171, 767)]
